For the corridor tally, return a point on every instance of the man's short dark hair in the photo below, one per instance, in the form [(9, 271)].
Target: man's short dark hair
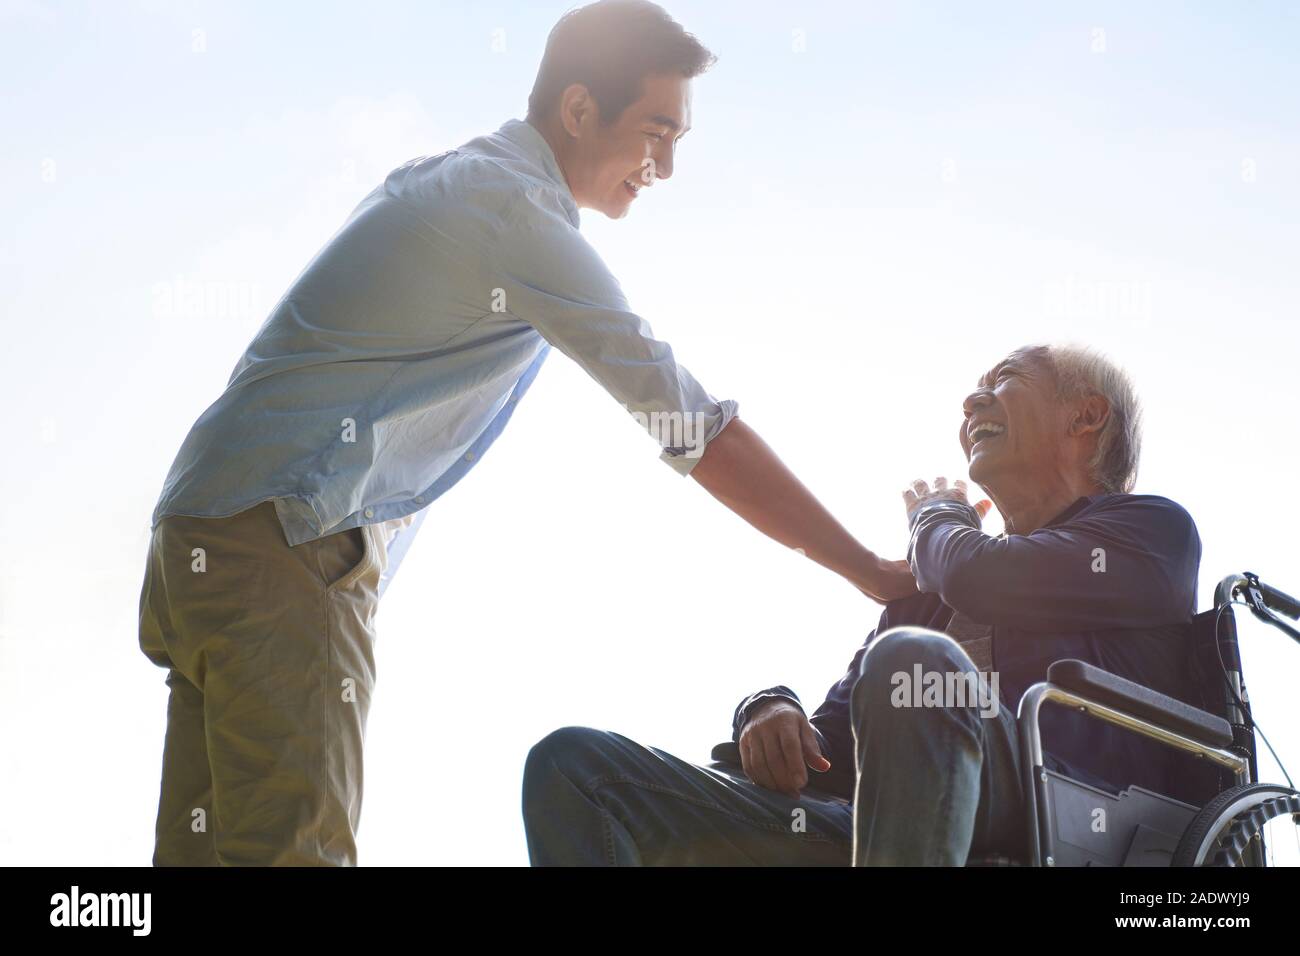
[(610, 47)]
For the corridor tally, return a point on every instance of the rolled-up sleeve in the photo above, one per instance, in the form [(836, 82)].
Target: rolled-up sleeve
[(554, 280)]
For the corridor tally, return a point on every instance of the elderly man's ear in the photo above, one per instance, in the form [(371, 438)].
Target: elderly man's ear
[(1090, 417)]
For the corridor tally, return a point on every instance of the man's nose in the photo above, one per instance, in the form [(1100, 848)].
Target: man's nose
[(975, 400), (664, 162)]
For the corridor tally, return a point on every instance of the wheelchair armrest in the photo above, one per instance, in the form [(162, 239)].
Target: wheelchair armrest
[(1142, 702)]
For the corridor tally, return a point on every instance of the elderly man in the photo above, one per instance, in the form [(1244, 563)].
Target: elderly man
[(906, 773)]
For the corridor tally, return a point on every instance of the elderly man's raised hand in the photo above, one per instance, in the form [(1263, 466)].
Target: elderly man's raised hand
[(920, 493)]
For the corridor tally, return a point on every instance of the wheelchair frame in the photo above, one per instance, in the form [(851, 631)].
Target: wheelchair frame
[(1142, 828)]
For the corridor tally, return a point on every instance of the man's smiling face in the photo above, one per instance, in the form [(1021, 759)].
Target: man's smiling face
[(1013, 422), (611, 164)]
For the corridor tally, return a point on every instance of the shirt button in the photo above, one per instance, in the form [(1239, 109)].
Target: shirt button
[(370, 512), (469, 456), (419, 499)]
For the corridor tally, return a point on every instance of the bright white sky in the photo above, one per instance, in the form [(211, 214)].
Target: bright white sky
[(867, 214)]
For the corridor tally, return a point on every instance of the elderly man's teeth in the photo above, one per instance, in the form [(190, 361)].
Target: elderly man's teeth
[(986, 430)]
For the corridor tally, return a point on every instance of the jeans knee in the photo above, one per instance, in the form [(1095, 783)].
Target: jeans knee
[(897, 651), (570, 752)]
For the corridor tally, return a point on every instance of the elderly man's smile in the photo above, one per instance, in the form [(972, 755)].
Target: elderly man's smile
[(983, 431), (980, 435)]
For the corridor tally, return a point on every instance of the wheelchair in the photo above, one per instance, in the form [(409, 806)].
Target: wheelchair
[(1142, 827), (1145, 828)]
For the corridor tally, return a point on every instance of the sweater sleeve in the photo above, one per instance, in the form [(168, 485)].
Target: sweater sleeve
[(1123, 563)]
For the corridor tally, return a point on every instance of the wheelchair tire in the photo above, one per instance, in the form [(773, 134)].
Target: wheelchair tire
[(1225, 829)]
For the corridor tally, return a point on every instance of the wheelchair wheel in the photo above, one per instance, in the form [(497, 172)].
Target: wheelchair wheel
[(1228, 831)]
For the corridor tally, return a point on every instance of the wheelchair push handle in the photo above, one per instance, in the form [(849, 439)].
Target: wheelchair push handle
[(1279, 600), (1266, 602)]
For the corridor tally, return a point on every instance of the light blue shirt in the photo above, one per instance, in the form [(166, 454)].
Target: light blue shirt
[(398, 355)]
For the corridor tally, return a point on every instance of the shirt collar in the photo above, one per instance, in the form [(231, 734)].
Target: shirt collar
[(1072, 510), (534, 145)]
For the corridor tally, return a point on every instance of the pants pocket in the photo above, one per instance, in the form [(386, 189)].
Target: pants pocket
[(345, 556), (151, 635)]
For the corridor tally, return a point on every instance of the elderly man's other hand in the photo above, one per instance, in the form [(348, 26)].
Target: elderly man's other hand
[(777, 746), (920, 494)]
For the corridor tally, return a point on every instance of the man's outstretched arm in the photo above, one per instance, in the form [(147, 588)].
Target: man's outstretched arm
[(745, 474), (552, 278)]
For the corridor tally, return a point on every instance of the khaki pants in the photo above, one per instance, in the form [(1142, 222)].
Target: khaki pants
[(269, 653)]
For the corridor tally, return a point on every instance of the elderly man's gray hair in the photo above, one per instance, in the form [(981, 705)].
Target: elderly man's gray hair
[(1080, 371)]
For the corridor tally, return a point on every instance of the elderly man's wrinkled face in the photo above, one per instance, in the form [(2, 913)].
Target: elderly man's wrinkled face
[(1013, 423)]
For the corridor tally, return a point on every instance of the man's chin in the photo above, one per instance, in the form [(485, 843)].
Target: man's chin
[(980, 471)]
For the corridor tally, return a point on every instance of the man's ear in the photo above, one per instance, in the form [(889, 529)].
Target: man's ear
[(577, 108), (1091, 416)]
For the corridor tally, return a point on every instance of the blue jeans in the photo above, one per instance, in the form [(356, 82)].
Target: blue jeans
[(934, 784), (596, 798)]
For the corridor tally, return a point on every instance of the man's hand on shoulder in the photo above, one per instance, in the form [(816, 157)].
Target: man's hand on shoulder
[(778, 745), (892, 580)]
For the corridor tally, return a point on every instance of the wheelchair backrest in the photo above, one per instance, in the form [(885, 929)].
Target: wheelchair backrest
[(1217, 672)]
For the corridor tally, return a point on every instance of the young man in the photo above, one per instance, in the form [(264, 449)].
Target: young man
[(1052, 435), (380, 379)]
